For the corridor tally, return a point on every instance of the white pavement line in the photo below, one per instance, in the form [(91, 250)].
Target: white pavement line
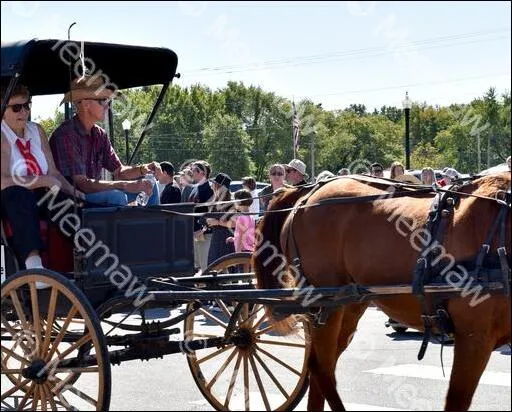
[(435, 372), (302, 406)]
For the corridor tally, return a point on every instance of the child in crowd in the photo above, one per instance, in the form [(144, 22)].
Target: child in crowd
[(245, 226)]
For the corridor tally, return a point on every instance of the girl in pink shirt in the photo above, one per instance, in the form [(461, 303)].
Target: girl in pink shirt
[(245, 226)]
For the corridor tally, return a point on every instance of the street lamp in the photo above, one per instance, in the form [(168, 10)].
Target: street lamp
[(407, 109), (126, 127)]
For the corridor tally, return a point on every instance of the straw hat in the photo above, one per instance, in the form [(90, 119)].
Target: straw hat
[(88, 88), (298, 165)]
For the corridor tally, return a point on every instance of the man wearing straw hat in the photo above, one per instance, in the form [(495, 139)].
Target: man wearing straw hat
[(296, 172), (81, 150)]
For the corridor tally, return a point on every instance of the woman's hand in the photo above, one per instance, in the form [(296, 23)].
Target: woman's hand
[(230, 239)]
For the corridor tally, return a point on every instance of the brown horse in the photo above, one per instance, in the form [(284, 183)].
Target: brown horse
[(365, 244)]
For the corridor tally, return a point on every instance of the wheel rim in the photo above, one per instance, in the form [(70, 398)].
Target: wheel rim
[(40, 330), (258, 369)]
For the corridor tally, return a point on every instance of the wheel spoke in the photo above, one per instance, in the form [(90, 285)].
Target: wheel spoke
[(223, 307), (264, 330), (11, 371), (61, 334), (246, 384), (34, 302), (35, 398), (42, 395), (49, 395), (260, 384), (254, 312), (77, 392), (213, 318), (16, 336), (259, 322), (14, 389), (76, 345), (50, 319), (14, 355), (278, 361), (19, 310), (290, 344), (233, 380), (221, 370), (271, 375), (212, 355), (26, 397)]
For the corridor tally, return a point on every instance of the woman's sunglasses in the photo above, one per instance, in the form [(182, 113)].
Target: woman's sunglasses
[(16, 108), (276, 174)]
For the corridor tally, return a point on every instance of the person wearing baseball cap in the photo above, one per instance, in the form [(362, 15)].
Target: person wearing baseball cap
[(296, 172)]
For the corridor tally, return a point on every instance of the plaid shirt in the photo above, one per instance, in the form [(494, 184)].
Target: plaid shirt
[(78, 153)]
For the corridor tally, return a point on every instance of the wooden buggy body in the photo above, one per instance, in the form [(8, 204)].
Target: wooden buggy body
[(126, 261)]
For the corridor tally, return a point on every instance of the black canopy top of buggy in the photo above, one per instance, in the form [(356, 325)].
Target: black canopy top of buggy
[(44, 65)]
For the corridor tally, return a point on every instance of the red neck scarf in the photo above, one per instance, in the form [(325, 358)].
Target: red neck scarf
[(33, 168)]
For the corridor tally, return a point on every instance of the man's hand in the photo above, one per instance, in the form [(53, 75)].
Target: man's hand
[(153, 167), (143, 185)]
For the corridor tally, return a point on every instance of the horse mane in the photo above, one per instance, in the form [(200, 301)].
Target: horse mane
[(268, 257)]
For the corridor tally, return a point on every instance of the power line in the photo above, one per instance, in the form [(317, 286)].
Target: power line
[(354, 53), (402, 86)]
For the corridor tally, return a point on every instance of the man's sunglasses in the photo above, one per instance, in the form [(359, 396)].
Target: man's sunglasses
[(16, 108), (276, 174), (102, 102)]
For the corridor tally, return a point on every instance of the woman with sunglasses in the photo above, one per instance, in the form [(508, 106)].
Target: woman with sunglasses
[(276, 175), (27, 170)]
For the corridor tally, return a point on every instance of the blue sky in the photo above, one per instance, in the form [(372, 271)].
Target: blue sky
[(335, 53)]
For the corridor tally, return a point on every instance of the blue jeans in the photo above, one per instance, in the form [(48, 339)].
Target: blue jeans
[(119, 198)]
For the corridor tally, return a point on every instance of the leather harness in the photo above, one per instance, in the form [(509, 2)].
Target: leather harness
[(440, 214)]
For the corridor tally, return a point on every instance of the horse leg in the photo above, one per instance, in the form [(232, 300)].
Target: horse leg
[(323, 386), (471, 354), (322, 365)]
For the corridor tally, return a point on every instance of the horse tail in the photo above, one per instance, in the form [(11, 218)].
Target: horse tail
[(268, 260)]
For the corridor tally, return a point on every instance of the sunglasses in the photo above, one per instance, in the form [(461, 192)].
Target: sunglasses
[(16, 108), (102, 102), (276, 174)]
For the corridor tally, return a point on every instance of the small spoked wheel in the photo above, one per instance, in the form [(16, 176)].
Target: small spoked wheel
[(257, 368), (53, 352)]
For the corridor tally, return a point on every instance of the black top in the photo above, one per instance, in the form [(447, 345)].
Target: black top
[(201, 194), (170, 194)]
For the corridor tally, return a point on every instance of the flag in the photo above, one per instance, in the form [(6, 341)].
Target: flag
[(295, 128)]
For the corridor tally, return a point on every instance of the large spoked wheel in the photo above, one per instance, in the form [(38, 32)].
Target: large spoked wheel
[(53, 354), (257, 369)]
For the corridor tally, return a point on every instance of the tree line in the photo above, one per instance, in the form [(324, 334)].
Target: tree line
[(242, 130)]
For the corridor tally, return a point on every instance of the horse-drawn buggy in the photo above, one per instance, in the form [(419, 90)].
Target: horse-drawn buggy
[(323, 252)]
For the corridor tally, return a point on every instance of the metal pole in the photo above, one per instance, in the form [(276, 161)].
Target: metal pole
[(407, 152), (313, 138), (127, 149), (479, 157)]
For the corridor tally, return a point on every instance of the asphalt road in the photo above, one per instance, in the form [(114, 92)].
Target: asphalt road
[(379, 371)]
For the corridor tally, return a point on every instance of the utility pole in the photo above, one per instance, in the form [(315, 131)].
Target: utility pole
[(489, 150), (478, 151), (312, 150)]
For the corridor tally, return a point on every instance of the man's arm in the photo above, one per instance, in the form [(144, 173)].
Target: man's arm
[(87, 185), (133, 172)]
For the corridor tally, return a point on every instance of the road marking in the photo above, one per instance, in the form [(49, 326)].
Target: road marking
[(435, 372), (237, 403)]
